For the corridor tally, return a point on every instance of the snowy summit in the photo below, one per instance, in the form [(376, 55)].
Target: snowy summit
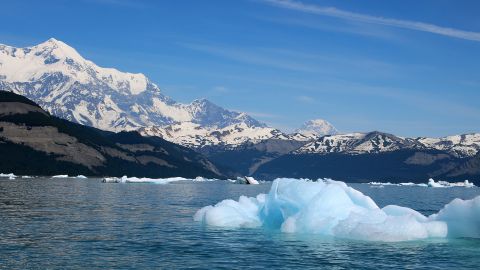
[(317, 127)]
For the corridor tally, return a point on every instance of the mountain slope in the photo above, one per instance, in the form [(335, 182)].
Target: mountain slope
[(61, 81), (379, 156), (460, 146), (34, 142)]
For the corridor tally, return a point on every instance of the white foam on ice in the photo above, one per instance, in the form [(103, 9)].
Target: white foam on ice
[(332, 209)]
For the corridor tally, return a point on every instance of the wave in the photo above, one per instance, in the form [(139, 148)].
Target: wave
[(333, 209)]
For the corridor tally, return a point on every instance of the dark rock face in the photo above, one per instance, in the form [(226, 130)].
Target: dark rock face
[(33, 142)]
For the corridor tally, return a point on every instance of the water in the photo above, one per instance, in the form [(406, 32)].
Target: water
[(71, 223)]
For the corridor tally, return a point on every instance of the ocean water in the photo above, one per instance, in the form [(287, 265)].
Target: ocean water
[(86, 224)]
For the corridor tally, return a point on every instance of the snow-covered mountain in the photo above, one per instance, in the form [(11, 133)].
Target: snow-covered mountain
[(57, 77), (467, 145), (317, 127), (60, 80), (197, 136)]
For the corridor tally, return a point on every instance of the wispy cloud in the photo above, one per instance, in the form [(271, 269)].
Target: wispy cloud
[(262, 114), (255, 56), (352, 16), (119, 3), (292, 60), (348, 27)]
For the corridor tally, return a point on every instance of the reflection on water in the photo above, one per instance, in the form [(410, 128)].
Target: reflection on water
[(71, 223)]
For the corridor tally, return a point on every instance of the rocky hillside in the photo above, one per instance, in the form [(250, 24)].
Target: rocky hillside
[(33, 142)]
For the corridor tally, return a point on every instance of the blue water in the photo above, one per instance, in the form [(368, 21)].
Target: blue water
[(84, 224)]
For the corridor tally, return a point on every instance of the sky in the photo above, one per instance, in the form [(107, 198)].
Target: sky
[(410, 68)]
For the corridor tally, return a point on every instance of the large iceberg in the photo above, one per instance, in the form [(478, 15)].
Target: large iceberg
[(333, 209)]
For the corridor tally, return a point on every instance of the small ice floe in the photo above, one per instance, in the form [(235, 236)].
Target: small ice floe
[(10, 176), (246, 180), (444, 184), (203, 179), (431, 183), (60, 176), (81, 176), (27, 177), (126, 179), (251, 181), (111, 180)]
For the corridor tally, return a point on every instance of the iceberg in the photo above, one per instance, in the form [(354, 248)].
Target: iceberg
[(126, 179), (333, 209), (60, 176), (443, 184), (10, 176), (431, 183)]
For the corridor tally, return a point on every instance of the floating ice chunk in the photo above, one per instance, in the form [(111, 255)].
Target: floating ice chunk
[(203, 179), (462, 217), (251, 181), (10, 176), (333, 209), (441, 184), (432, 183), (230, 213), (151, 180), (467, 184), (81, 176), (126, 179), (111, 180), (60, 176)]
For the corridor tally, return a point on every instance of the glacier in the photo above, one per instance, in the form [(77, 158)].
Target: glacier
[(332, 209)]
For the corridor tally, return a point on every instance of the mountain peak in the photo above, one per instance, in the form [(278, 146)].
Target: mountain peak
[(57, 77), (318, 127), (59, 49)]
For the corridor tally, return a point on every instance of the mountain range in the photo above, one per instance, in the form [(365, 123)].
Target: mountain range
[(65, 84), (57, 78)]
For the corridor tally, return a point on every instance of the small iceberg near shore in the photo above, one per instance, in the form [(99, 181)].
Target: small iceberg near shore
[(333, 209), (10, 176), (245, 180), (60, 176), (67, 176), (443, 184), (431, 183), (126, 179)]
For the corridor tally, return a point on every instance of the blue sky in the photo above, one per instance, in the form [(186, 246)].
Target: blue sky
[(406, 67)]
